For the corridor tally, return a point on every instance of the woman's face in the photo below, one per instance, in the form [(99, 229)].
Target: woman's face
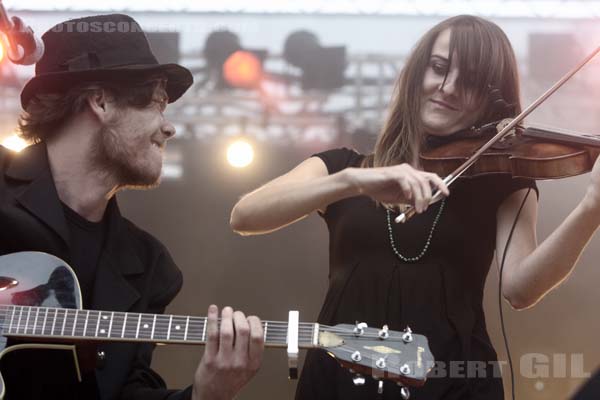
[(445, 109)]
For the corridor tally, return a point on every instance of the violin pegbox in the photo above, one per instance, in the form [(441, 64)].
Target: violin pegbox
[(403, 357)]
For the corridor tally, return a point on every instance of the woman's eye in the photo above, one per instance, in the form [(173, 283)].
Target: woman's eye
[(439, 68)]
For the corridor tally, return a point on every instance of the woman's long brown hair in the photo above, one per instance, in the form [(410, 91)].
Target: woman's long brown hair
[(485, 60)]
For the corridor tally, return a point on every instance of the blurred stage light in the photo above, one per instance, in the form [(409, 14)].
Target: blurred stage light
[(322, 67), (1, 51), (243, 69), (240, 153), (219, 45), (297, 45), (232, 65), (15, 143)]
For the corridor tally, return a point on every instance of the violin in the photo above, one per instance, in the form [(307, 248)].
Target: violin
[(525, 152), (512, 150)]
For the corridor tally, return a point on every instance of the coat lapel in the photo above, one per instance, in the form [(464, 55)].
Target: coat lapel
[(39, 197)]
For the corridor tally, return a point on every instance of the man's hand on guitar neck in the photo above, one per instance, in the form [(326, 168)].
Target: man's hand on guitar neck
[(232, 356)]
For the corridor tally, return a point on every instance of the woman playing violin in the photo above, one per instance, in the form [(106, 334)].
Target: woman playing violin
[(428, 273)]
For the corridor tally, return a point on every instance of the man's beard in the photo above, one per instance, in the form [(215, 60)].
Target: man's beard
[(119, 161)]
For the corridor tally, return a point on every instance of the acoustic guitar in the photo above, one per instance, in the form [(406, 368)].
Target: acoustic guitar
[(41, 308)]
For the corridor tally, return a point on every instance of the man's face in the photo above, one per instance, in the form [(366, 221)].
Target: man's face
[(131, 146)]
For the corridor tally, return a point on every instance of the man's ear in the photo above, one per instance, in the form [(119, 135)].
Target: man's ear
[(100, 105)]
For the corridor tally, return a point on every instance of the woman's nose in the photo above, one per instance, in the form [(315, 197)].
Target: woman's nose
[(448, 85)]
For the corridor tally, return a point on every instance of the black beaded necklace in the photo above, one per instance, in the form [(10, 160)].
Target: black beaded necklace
[(427, 243)]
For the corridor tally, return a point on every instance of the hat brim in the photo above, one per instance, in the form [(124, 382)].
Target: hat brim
[(179, 79)]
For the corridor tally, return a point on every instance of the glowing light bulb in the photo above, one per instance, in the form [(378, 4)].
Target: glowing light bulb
[(240, 154), (15, 143), (242, 69)]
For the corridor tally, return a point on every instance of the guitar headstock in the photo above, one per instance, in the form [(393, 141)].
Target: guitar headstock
[(403, 357)]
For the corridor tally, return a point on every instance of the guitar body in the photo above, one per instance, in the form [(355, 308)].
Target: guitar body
[(36, 279)]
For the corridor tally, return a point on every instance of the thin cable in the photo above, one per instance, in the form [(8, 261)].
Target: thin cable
[(512, 230)]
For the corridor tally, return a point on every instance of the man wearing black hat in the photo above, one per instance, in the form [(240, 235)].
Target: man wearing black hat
[(95, 111)]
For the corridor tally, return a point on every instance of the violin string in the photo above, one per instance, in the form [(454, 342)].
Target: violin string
[(569, 132)]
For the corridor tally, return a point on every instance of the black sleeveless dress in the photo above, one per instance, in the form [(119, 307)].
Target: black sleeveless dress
[(439, 296)]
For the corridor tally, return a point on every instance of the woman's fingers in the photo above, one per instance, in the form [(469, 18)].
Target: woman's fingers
[(425, 187), (439, 184), (417, 192), (419, 186), (401, 184), (406, 187)]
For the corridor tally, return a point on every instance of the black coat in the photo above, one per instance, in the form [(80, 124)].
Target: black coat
[(135, 271)]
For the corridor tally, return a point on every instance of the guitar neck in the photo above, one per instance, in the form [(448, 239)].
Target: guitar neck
[(93, 325)]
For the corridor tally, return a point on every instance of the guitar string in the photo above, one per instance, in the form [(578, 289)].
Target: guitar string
[(117, 332), (96, 317), (145, 317), (390, 361), (275, 328), (345, 348), (161, 327), (72, 311), (164, 325), (25, 330), (129, 334)]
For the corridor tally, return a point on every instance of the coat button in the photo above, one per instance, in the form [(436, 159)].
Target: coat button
[(100, 359)]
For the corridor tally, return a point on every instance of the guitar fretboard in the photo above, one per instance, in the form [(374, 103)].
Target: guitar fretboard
[(65, 323)]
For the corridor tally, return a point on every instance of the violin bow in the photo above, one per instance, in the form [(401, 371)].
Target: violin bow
[(448, 180)]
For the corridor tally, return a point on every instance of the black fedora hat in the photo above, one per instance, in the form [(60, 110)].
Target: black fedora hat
[(97, 49)]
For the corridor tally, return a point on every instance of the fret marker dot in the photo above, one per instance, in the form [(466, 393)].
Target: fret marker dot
[(102, 331), (145, 326), (177, 327), (104, 317)]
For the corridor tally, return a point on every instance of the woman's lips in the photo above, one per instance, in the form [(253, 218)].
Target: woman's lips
[(444, 104)]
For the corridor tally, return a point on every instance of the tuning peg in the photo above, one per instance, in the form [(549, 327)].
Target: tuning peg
[(358, 380), (404, 393), (407, 336), (380, 363), (405, 369), (360, 327), (383, 333), (380, 387), (356, 357)]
